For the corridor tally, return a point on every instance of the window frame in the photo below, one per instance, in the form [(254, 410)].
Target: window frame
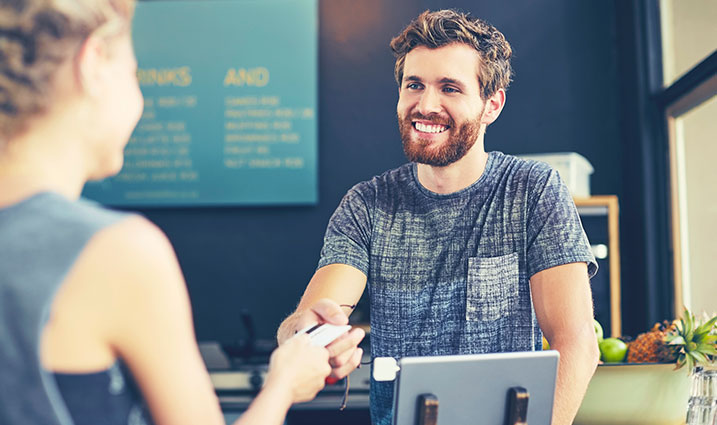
[(694, 88)]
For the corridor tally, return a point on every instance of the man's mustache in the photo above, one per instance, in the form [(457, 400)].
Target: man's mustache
[(432, 118)]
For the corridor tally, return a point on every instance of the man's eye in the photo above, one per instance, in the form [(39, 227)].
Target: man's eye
[(413, 86), (450, 90)]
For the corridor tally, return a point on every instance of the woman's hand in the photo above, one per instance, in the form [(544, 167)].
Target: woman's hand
[(299, 367)]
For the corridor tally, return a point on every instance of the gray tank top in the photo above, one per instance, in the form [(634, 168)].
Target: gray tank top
[(41, 237)]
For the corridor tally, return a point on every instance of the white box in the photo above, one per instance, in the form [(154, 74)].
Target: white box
[(573, 168)]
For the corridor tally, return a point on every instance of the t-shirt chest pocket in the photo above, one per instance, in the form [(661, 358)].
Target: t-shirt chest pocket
[(492, 287)]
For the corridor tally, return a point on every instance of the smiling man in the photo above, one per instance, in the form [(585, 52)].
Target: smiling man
[(463, 251)]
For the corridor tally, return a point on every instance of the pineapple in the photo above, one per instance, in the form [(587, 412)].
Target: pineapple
[(652, 347), (696, 343)]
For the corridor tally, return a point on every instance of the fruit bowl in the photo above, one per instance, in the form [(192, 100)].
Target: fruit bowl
[(636, 394)]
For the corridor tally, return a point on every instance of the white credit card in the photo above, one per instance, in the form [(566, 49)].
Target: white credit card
[(325, 333)]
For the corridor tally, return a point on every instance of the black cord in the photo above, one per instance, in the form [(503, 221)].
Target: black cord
[(353, 306), (345, 398)]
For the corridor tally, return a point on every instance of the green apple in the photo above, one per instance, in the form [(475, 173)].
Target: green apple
[(598, 330), (612, 350)]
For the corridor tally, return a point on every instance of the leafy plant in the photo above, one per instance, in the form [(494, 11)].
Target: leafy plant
[(696, 343)]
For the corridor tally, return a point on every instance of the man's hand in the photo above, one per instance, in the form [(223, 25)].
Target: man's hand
[(344, 353), (345, 356), (323, 311)]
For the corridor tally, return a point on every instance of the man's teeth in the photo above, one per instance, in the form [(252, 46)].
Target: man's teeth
[(425, 128)]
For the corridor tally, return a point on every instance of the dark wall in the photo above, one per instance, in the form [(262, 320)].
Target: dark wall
[(564, 98)]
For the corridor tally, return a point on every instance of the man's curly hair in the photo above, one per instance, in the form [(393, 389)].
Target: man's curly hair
[(443, 27)]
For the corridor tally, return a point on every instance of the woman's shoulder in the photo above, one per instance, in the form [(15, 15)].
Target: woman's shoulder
[(132, 247), (124, 267), (135, 233), (131, 269)]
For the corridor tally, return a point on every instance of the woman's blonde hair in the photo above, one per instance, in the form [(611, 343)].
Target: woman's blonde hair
[(36, 37)]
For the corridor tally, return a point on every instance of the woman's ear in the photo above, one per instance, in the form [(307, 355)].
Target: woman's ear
[(88, 65)]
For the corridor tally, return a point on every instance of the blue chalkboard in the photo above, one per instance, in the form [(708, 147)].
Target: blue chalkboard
[(230, 114)]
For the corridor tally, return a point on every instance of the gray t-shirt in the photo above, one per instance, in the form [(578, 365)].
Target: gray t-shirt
[(449, 274)]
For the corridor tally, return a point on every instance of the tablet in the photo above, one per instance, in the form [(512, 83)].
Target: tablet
[(473, 389)]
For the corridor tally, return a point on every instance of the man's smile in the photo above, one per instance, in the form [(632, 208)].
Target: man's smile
[(424, 127)]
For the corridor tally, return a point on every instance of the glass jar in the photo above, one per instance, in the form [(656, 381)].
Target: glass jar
[(702, 405)]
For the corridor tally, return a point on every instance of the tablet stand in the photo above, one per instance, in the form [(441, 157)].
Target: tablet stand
[(516, 413), (427, 410)]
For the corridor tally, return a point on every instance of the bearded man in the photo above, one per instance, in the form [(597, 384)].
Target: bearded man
[(463, 251)]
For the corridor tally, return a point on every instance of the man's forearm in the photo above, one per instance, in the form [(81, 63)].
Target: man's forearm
[(578, 360), (330, 287)]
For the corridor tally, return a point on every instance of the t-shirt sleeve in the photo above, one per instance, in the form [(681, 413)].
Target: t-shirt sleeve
[(555, 233), (347, 239)]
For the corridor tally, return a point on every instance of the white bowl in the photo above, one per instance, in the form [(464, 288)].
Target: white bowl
[(636, 394)]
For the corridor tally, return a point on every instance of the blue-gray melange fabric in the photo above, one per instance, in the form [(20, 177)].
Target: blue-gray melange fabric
[(40, 239), (449, 274)]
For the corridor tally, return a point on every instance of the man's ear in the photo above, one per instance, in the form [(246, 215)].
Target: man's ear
[(493, 107), (88, 69)]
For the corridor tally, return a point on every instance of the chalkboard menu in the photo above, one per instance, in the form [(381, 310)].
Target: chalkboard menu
[(230, 114)]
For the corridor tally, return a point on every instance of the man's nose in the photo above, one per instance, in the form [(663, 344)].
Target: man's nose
[(429, 102)]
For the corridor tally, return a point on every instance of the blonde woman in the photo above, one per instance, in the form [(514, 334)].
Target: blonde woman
[(92, 301)]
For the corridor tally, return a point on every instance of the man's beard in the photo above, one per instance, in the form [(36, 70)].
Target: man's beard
[(460, 140)]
